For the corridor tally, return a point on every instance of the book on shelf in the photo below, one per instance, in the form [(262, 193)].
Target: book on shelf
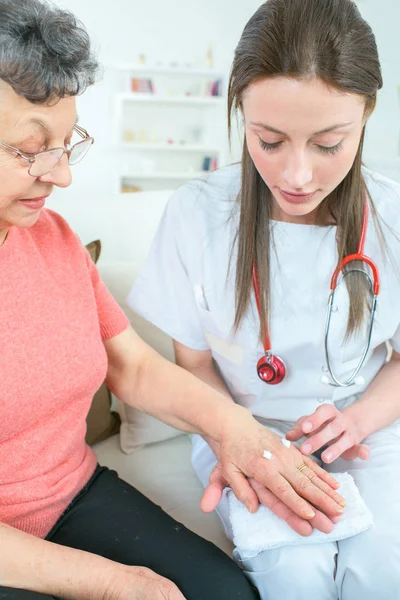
[(142, 86)]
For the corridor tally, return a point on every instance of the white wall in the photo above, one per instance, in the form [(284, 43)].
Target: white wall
[(181, 31)]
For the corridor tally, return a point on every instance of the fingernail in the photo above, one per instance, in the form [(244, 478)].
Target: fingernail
[(342, 502), (335, 519), (310, 514), (306, 448), (340, 510), (307, 427), (249, 507), (328, 456)]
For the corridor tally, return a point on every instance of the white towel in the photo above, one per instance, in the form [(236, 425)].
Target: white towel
[(263, 530)]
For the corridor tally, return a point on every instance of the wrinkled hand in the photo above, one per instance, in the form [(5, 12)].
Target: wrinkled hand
[(328, 425), (213, 493), (242, 444), (140, 583)]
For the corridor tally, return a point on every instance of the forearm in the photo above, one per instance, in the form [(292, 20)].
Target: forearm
[(30, 563), (211, 377), (177, 397), (140, 377), (379, 406)]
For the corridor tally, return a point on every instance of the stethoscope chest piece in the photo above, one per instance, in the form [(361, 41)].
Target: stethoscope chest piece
[(271, 369)]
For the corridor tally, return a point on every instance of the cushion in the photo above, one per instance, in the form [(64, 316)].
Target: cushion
[(138, 429), (101, 422)]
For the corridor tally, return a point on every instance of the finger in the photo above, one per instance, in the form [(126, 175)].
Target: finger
[(282, 488), (308, 485), (294, 435), (268, 499), (211, 497), (332, 430), (322, 474), (363, 451), (322, 522), (345, 442), (357, 451), (301, 526), (213, 493), (324, 413), (313, 475), (242, 489), (296, 432)]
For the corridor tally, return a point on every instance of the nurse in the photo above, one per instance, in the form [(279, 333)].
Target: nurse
[(304, 80)]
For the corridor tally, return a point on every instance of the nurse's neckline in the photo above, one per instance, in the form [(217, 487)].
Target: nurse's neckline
[(309, 225)]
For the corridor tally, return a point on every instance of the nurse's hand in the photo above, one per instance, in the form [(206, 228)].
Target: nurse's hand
[(329, 426), (242, 444)]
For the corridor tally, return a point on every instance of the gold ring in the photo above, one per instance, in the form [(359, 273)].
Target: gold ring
[(302, 467)]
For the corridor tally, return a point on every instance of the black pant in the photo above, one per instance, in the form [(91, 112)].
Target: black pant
[(112, 519)]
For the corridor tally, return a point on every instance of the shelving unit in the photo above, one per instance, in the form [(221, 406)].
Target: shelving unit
[(160, 99), (170, 133), (202, 148)]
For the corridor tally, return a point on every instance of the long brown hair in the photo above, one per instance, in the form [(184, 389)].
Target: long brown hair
[(327, 39)]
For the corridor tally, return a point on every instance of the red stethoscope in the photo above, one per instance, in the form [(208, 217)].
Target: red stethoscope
[(271, 369)]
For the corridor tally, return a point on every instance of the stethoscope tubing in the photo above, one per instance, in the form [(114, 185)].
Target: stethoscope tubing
[(374, 281)]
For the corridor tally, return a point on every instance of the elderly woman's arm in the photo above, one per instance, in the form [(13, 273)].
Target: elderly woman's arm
[(30, 563), (140, 377)]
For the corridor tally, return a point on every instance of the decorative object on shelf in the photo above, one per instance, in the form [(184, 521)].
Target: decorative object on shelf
[(128, 189), (143, 136), (209, 58), (210, 163), (142, 86), (214, 88), (129, 135)]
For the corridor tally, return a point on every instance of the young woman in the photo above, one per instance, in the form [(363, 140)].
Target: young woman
[(242, 268)]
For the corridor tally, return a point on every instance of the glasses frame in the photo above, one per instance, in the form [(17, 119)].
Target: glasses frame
[(31, 159)]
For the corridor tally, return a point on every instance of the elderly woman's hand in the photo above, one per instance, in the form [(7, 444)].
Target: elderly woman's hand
[(213, 493), (294, 479), (139, 583)]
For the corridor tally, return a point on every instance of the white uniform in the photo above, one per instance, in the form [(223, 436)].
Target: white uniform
[(185, 289)]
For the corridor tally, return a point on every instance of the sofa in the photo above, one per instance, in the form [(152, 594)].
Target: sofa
[(150, 455)]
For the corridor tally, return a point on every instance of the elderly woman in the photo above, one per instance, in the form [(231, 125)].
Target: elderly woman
[(68, 527)]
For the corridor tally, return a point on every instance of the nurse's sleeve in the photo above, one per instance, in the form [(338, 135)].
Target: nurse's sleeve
[(395, 340), (163, 292)]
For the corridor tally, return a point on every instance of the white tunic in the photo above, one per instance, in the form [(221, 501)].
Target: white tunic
[(184, 289)]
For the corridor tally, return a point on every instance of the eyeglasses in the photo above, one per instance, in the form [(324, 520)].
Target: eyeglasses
[(44, 162)]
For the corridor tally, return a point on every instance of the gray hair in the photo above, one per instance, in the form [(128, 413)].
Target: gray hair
[(45, 52)]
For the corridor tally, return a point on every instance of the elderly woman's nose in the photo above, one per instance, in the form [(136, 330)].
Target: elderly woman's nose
[(61, 174)]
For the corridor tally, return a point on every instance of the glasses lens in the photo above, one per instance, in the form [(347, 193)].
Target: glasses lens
[(79, 151), (45, 162)]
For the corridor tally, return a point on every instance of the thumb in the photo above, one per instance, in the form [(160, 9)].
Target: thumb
[(213, 492)]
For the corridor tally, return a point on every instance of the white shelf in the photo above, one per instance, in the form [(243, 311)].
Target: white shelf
[(167, 175), (158, 99), (183, 71), (164, 147)]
